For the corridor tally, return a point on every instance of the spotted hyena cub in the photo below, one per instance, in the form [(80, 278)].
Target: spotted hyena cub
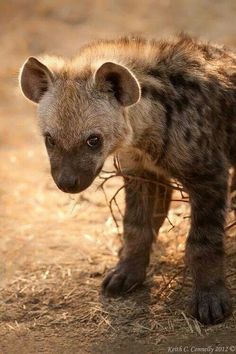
[(168, 110)]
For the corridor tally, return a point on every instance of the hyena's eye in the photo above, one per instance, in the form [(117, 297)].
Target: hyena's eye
[(49, 141), (94, 141)]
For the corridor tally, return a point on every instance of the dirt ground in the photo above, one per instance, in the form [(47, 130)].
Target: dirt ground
[(56, 248)]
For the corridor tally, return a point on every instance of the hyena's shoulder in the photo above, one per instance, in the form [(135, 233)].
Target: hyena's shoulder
[(146, 51), (145, 57), (198, 72), (193, 83)]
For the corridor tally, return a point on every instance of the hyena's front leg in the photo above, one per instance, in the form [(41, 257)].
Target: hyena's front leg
[(146, 208), (162, 203), (205, 249), (233, 191)]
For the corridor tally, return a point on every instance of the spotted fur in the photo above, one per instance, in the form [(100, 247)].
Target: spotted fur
[(167, 109)]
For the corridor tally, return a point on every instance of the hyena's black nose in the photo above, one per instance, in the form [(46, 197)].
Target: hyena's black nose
[(68, 184)]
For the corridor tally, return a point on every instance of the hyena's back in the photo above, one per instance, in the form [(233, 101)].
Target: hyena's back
[(196, 81)]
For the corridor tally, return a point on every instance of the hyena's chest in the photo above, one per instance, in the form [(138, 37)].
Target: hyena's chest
[(133, 161)]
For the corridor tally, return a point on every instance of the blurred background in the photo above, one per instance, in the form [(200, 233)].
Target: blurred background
[(54, 248), (30, 27), (59, 27)]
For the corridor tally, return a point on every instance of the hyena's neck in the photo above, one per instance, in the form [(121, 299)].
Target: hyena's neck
[(148, 129)]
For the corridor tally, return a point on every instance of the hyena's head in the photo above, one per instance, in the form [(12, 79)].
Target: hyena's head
[(82, 116)]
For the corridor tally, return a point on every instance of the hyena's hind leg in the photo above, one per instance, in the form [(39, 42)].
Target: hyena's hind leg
[(147, 205)]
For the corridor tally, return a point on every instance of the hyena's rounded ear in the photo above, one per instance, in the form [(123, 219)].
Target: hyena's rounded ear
[(35, 79), (120, 80)]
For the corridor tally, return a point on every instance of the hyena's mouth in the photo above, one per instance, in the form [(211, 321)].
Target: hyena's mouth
[(72, 184)]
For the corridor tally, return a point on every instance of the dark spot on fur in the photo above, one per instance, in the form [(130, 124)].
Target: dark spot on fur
[(194, 85), (158, 96), (196, 160), (181, 80), (185, 100), (179, 106), (154, 72), (177, 79), (181, 103), (187, 135), (169, 112), (200, 122), (219, 124), (154, 94), (144, 91), (229, 130), (200, 141)]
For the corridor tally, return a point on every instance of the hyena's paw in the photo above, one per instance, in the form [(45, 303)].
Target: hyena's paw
[(211, 306), (125, 277)]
